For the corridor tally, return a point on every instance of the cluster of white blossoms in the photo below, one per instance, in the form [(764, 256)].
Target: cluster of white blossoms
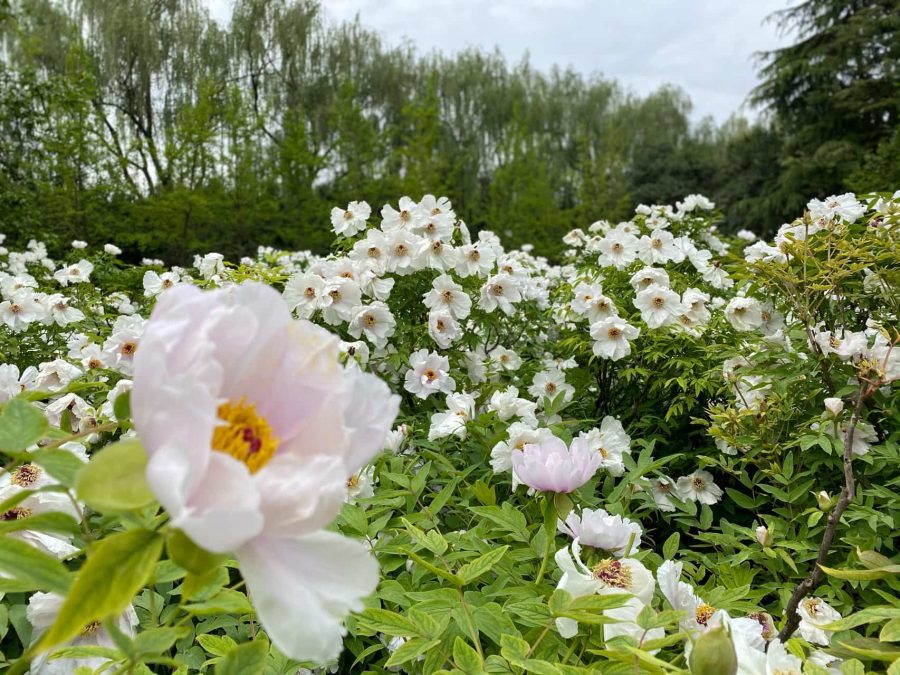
[(261, 410)]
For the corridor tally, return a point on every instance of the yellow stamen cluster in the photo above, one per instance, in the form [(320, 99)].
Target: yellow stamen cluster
[(245, 435), (613, 573), (26, 475), (704, 613)]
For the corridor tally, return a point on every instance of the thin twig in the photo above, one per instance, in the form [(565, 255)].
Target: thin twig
[(848, 492)]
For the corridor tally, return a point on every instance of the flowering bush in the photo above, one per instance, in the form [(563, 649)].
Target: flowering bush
[(424, 453)]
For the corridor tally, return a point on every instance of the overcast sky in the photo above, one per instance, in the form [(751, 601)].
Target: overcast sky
[(704, 46)]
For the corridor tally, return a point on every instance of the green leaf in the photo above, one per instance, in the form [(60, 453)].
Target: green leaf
[(670, 548), (409, 650), (114, 478), (432, 540), (157, 640), (21, 425), (122, 406), (481, 565), (384, 621), (61, 464), (890, 632), (226, 601), (217, 645), (559, 602), (116, 569), (37, 570), (513, 648), (862, 575), (246, 659), (190, 556), (51, 521), (466, 658)]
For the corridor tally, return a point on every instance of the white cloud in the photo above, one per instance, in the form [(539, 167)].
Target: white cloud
[(706, 47)]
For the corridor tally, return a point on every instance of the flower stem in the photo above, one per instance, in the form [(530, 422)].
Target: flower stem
[(549, 530)]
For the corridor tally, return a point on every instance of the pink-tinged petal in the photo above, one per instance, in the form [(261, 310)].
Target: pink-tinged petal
[(300, 495), (223, 512), (369, 416), (303, 588)]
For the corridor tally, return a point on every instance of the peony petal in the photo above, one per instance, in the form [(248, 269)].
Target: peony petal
[(300, 495), (223, 512), (303, 588)]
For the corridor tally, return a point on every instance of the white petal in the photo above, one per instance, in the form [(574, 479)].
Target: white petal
[(303, 588)]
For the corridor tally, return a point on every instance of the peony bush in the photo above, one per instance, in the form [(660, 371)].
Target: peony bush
[(673, 451)]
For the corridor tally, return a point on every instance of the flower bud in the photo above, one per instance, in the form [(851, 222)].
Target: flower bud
[(834, 406), (763, 536), (826, 503), (714, 654)]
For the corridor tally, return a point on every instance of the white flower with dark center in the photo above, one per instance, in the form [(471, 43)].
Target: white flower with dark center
[(41, 613), (845, 344), (612, 338), (657, 248), (54, 375), (407, 217), (304, 293), (695, 300), (611, 442), (339, 298), (549, 384), (585, 294), (446, 294), (361, 485), (814, 614), (443, 328), (643, 279), (475, 260), (375, 321), (507, 358), (350, 221), (20, 311), (662, 489), (659, 306), (429, 374), (682, 597), (609, 576), (744, 314), (435, 254), (121, 346), (618, 249), (502, 291), (698, 487), (598, 529), (402, 252), (155, 283), (77, 273), (843, 207), (371, 252), (60, 312), (452, 421)]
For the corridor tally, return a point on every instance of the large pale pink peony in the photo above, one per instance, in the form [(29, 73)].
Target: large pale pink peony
[(550, 466), (252, 427)]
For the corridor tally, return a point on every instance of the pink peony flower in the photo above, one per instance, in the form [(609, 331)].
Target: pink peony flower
[(252, 427), (549, 466)]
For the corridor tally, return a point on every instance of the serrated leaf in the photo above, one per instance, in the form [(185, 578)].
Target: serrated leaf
[(466, 658), (409, 650), (481, 565)]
